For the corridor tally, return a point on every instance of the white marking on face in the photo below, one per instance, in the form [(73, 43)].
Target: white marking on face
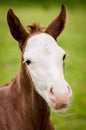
[(46, 67)]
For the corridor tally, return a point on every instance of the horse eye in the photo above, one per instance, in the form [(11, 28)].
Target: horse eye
[(64, 56), (28, 62)]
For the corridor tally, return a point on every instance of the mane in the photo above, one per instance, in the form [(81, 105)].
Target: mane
[(35, 28)]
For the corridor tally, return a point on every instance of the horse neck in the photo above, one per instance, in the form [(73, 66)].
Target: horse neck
[(35, 104)]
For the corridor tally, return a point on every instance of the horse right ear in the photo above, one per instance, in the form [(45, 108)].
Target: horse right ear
[(57, 25), (16, 28)]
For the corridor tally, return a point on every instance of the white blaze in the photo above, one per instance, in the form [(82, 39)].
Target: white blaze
[(46, 68)]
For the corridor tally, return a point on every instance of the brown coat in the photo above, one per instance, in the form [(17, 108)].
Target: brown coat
[(18, 108)]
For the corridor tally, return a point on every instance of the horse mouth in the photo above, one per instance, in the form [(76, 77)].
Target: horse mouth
[(59, 108)]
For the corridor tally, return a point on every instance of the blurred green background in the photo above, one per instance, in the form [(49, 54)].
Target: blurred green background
[(73, 40)]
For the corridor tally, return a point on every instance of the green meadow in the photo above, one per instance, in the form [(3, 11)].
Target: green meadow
[(72, 39)]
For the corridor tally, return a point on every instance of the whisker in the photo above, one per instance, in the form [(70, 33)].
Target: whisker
[(68, 114), (24, 61)]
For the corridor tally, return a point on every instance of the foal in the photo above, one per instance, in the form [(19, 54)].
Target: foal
[(39, 85)]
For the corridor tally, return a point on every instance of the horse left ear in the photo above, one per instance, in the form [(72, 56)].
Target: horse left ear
[(57, 25), (16, 28)]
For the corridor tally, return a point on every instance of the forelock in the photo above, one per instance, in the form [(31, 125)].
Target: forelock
[(35, 28)]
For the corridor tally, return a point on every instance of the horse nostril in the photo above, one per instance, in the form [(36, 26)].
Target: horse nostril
[(51, 91), (69, 91), (51, 94)]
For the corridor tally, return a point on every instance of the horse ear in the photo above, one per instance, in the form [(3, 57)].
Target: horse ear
[(57, 25), (16, 28)]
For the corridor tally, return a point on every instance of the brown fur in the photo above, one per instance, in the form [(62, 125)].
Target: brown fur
[(18, 109), (34, 28), (57, 25), (21, 107)]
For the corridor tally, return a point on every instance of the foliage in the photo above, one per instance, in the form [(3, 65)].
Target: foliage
[(73, 40), (45, 3)]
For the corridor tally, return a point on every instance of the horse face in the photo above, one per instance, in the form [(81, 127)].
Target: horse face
[(44, 61)]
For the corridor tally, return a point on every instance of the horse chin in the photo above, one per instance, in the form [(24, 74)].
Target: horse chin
[(62, 110)]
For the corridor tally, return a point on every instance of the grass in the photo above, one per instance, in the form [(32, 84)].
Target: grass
[(73, 40)]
